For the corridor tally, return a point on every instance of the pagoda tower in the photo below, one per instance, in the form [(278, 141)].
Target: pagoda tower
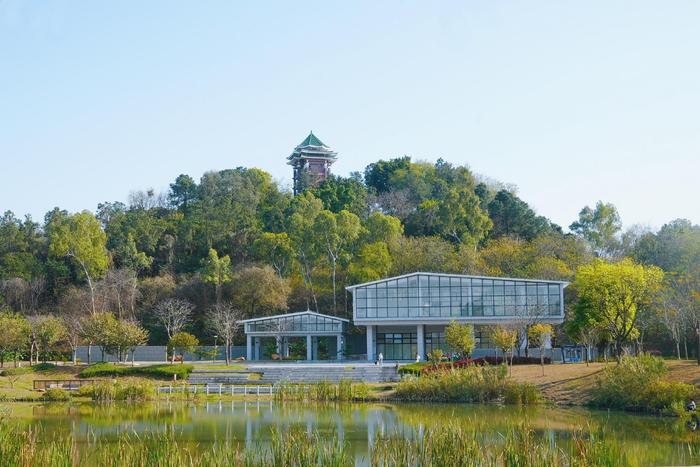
[(312, 161)]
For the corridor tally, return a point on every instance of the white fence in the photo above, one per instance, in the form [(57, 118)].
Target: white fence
[(220, 389)]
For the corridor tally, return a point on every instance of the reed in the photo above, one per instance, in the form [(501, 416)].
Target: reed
[(323, 391)]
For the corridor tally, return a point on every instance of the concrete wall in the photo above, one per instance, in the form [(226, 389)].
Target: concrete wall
[(153, 353)]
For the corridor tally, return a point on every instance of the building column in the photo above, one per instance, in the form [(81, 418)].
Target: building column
[(257, 355), (370, 343), (420, 337), (309, 355), (339, 347), (249, 347), (314, 347)]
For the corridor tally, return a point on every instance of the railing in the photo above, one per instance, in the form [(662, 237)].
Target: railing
[(220, 389), (68, 384)]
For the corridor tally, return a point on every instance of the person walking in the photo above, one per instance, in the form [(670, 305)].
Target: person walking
[(380, 359)]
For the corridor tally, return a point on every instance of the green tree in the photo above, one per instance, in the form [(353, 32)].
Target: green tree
[(80, 238), (460, 338), (183, 342), (614, 293), (14, 336), (275, 249), (378, 174), (183, 192), (371, 263), (217, 271), (599, 227), (307, 247), (336, 233), (125, 337), (505, 340), (342, 194), (48, 331), (511, 216), (539, 334), (259, 288)]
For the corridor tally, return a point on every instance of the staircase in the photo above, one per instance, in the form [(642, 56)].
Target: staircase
[(296, 374)]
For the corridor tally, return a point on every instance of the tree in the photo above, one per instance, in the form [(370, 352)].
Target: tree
[(336, 232), (183, 192), (98, 329), (125, 337), (47, 330), (173, 314), (80, 238), (275, 249), (599, 226), (540, 334), (217, 271), (14, 335), (512, 216), (435, 357), (259, 287), (460, 338), (583, 327), (505, 340), (224, 319), (371, 263), (671, 303), (183, 342), (614, 293), (307, 248)]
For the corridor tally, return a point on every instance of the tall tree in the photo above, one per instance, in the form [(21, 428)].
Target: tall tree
[(600, 227), (80, 238), (275, 249), (336, 233), (511, 216), (217, 271), (615, 292), (259, 288), (173, 314)]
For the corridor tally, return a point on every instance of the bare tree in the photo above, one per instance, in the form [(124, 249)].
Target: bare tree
[(173, 314), (224, 319), (16, 291), (75, 307), (525, 317)]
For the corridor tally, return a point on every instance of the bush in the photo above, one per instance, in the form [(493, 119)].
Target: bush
[(164, 371), (44, 367), (636, 384), (56, 394), (23, 370)]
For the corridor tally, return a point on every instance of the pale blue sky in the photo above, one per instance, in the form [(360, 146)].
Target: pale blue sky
[(571, 101)]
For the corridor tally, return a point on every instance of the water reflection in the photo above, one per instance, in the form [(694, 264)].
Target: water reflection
[(656, 440)]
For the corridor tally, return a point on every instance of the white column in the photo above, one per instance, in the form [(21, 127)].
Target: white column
[(256, 355), (370, 343), (420, 331), (314, 347), (339, 347), (249, 347), (309, 356)]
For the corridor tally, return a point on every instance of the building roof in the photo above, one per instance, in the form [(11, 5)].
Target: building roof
[(352, 287), (311, 140), (299, 313), (312, 148)]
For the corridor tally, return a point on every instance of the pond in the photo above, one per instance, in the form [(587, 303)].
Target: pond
[(646, 440)]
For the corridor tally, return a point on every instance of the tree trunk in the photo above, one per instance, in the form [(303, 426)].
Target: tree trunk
[(685, 346), (89, 352), (678, 349), (698, 334), (75, 355)]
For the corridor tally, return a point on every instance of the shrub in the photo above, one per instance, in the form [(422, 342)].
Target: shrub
[(636, 384), (23, 370), (44, 367), (164, 371), (56, 394)]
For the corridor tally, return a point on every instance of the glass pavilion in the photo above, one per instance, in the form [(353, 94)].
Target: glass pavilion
[(305, 324), (406, 315)]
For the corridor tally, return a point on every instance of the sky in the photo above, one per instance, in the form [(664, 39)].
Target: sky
[(572, 102)]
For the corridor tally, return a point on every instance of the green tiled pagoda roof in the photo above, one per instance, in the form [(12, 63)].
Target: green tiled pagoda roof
[(311, 140)]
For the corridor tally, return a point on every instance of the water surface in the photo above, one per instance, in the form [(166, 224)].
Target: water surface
[(646, 440)]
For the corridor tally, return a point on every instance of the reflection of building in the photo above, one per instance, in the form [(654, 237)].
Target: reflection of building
[(311, 160), (407, 315)]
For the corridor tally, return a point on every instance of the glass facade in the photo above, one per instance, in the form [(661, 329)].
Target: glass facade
[(397, 346), (435, 340), (296, 323), (448, 296)]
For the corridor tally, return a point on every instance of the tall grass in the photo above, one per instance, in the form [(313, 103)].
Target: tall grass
[(637, 384), (129, 391), (469, 384), (28, 447), (323, 391), (460, 446)]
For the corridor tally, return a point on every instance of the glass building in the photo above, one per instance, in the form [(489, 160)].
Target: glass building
[(282, 329), (406, 315)]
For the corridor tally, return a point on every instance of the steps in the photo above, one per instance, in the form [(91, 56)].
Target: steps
[(297, 374)]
